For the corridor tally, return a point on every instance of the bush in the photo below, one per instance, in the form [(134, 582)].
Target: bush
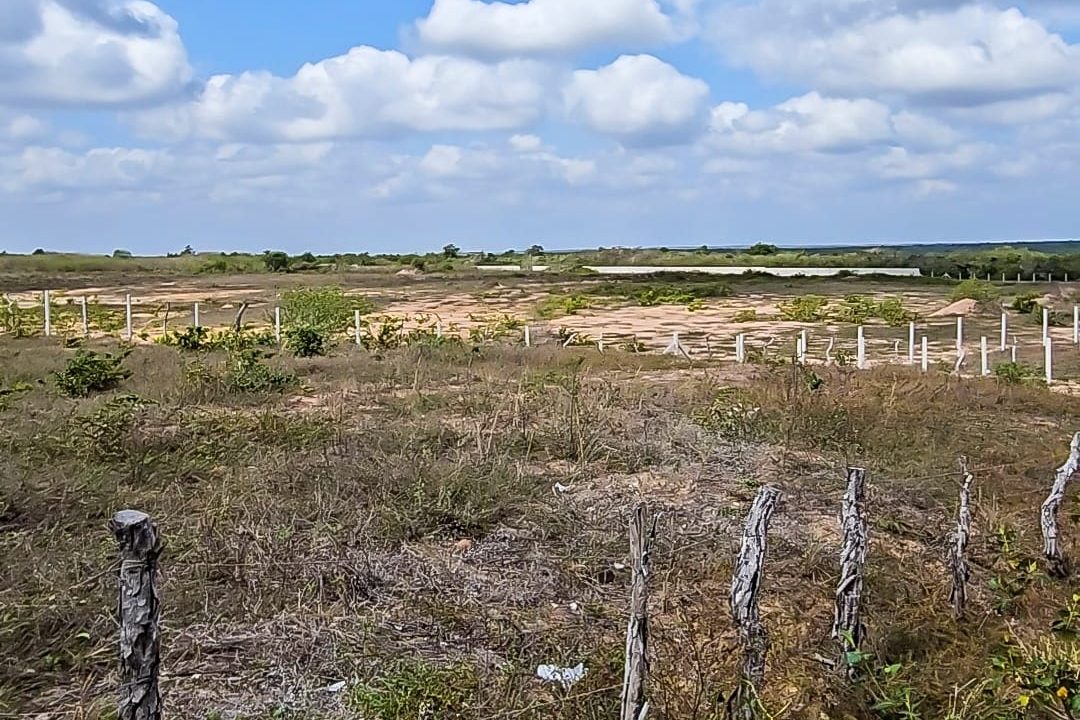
[(893, 312), (247, 373), (978, 290), (305, 342), (808, 308), (1015, 373), (559, 305), (326, 310), (1026, 304), (89, 372), (743, 316)]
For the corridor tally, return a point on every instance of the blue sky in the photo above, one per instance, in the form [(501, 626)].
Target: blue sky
[(352, 125)]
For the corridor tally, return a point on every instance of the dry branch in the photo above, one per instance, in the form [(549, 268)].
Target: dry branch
[(140, 610), (238, 323), (634, 704), (847, 624), (958, 543), (1051, 548), (745, 589)]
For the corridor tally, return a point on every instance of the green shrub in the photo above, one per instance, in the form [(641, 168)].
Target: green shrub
[(1015, 373), (326, 310), (972, 289), (1026, 304), (419, 691), (200, 339), (89, 372), (247, 373), (893, 312), (748, 315), (808, 308), (305, 342), (560, 305), (856, 309)]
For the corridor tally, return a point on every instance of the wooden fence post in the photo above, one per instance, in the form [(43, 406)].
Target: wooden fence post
[(745, 588), (140, 610), (847, 627), (958, 543), (238, 323), (634, 704), (1051, 548)]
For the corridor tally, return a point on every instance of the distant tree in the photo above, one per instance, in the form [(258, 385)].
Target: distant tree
[(121, 253), (276, 261), (188, 250), (535, 250), (38, 251), (451, 251), (307, 257), (762, 249)]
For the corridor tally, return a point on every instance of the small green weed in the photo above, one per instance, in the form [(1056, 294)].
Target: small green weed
[(305, 342), (89, 372), (744, 316), (972, 289), (1015, 373), (327, 310), (808, 308), (248, 373), (419, 691)]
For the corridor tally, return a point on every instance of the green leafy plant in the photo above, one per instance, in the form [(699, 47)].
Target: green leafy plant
[(89, 372), (808, 308), (247, 373), (559, 305), (383, 332), (492, 328), (893, 312), (1015, 373), (732, 415), (1044, 675), (326, 310), (972, 289), (305, 342), (418, 691), (744, 316), (1027, 303), (1067, 622)]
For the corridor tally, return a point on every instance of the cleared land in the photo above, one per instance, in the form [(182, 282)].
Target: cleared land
[(427, 521)]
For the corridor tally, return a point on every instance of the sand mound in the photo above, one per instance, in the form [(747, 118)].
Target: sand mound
[(408, 272), (960, 307)]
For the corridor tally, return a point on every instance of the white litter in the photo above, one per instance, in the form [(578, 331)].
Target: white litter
[(559, 488), (567, 677), (335, 687)]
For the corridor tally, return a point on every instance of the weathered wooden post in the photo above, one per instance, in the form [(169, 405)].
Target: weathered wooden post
[(165, 319), (847, 627), (958, 543), (743, 600), (1004, 330), (277, 325), (238, 321), (195, 314), (129, 330), (1051, 549), (925, 355), (140, 611), (47, 302), (634, 704), (911, 343), (356, 327), (85, 318), (984, 356), (860, 358)]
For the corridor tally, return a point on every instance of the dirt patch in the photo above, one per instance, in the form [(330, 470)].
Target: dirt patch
[(964, 307)]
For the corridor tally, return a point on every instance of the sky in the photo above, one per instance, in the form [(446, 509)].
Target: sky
[(369, 125)]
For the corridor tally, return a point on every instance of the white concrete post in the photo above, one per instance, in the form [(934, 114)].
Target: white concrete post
[(127, 317), (860, 360), (1046, 323), (1076, 324), (356, 326), (85, 318), (277, 325), (829, 349), (439, 331), (1014, 354), (1017, 277), (1004, 330), (1002, 277), (740, 348), (1048, 360), (195, 314), (911, 343), (960, 332), (802, 346), (985, 356), (925, 355), (47, 302), (528, 335)]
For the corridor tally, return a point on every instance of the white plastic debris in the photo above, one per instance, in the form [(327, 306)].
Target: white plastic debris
[(559, 488), (335, 687), (567, 677)]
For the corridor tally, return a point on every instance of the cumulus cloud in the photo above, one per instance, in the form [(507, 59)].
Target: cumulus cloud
[(814, 123), (89, 53), (540, 27), (935, 52), (363, 93), (638, 99)]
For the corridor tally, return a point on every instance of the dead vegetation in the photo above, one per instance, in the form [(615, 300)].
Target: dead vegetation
[(408, 533)]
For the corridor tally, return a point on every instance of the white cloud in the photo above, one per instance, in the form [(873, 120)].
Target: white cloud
[(525, 143), (814, 123), (639, 99), (366, 92), (89, 53), (937, 52), (902, 164), (543, 26)]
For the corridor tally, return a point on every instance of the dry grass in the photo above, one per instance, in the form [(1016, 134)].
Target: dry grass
[(393, 524)]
